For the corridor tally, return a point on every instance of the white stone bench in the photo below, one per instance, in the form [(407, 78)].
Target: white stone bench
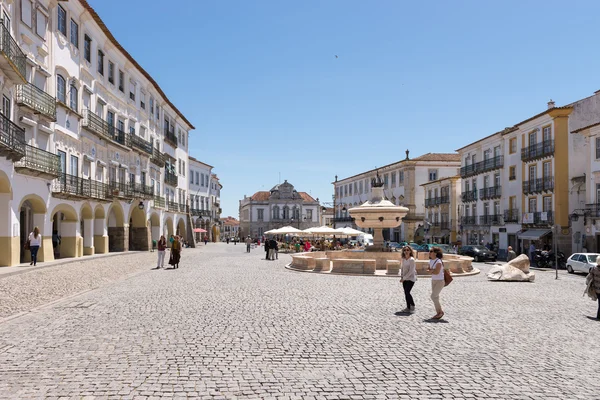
[(347, 266), (392, 267), (303, 262), (322, 264)]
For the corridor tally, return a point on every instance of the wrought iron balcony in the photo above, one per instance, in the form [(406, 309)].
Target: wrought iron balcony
[(540, 218), (170, 137), (539, 185), (98, 126), (141, 144), (444, 225), (433, 201), (12, 139), (469, 220), (157, 158), (14, 60), (170, 178), (159, 201), (493, 219), (38, 162), (120, 190), (482, 166), (444, 199), (469, 196), (172, 206), (537, 151), (142, 190), (488, 193), (511, 215), (343, 219), (73, 187), (199, 212), (40, 102)]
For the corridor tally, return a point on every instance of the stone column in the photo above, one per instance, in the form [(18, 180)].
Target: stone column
[(100, 236), (88, 237), (69, 243), (46, 251)]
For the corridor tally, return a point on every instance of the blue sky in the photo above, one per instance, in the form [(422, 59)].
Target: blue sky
[(260, 81)]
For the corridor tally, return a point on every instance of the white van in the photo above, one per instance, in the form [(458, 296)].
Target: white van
[(366, 239)]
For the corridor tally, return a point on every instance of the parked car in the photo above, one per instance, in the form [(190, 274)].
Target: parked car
[(446, 248), (395, 246), (418, 247), (479, 253), (581, 262)]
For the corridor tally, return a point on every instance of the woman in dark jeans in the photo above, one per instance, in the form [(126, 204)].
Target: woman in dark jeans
[(35, 241), (408, 276)]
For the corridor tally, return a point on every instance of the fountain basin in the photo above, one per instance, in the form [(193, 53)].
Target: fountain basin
[(374, 263)]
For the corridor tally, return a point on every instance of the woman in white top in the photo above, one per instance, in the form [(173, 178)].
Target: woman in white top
[(437, 279), (35, 241), (408, 276)]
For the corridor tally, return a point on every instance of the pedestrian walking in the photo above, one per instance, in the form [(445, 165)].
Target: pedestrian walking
[(175, 253), (511, 254), (248, 244), (436, 267), (162, 247), (34, 241), (227, 240), (532, 254), (205, 240), (593, 282), (272, 249), (408, 276), (266, 250)]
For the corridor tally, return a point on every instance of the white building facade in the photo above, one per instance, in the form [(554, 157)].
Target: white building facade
[(201, 203), (442, 201), (280, 206), (91, 150), (403, 182)]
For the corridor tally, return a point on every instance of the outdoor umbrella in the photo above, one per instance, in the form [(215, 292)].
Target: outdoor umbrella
[(272, 232), (288, 230), (200, 230), (323, 231), (350, 231)]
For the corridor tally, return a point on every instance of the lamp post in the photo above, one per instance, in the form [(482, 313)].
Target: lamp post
[(334, 195)]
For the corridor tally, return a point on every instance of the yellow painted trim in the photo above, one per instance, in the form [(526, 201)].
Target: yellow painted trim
[(11, 248), (561, 166)]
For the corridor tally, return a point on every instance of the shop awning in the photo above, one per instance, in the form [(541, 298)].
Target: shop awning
[(534, 234)]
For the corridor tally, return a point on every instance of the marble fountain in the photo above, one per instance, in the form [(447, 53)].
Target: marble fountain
[(377, 213)]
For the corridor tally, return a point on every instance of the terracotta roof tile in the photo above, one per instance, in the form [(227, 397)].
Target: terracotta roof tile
[(448, 157), (264, 196)]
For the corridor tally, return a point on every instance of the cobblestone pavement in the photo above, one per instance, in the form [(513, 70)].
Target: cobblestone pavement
[(232, 325)]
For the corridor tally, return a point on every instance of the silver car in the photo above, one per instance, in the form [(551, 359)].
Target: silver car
[(581, 262)]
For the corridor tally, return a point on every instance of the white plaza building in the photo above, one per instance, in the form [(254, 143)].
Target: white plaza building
[(92, 151), (403, 182)]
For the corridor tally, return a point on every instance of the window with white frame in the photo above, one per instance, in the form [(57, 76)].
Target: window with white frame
[(197, 177), (73, 98), (121, 81), (261, 214), (143, 100), (597, 148), (547, 206), (101, 62), (61, 89), (151, 107), (433, 174), (111, 72), (62, 20), (41, 24), (74, 34), (394, 179), (26, 12), (132, 90), (401, 177), (87, 48)]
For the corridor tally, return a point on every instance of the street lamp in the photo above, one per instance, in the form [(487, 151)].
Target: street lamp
[(141, 205)]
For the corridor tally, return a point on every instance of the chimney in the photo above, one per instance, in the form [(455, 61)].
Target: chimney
[(551, 104)]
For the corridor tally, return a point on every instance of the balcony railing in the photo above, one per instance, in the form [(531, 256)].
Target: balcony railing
[(172, 206), (543, 218), (539, 185), (39, 101), (120, 189), (142, 190), (490, 193), (493, 219), (157, 157), (70, 186), (170, 178), (38, 162), (12, 139), (482, 166), (170, 137), (97, 125), (469, 196), (159, 201), (469, 220), (13, 54), (343, 219), (511, 215), (537, 151), (432, 201), (141, 144), (444, 199), (196, 212)]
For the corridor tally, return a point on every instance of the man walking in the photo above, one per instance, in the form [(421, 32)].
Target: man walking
[(267, 248), (532, 254), (511, 254), (162, 246), (248, 244)]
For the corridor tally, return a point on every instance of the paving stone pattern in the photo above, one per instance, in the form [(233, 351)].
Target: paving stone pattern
[(228, 324)]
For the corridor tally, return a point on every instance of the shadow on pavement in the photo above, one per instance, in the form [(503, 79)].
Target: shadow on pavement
[(435, 321)]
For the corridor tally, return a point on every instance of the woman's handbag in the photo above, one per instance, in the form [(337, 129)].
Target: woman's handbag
[(447, 277), (27, 245)]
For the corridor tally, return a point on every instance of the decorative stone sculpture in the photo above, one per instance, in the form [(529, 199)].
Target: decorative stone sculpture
[(515, 270)]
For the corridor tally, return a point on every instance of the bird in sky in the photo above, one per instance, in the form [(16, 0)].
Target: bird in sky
[(336, 56)]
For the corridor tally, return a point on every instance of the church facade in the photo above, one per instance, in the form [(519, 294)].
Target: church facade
[(283, 205)]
